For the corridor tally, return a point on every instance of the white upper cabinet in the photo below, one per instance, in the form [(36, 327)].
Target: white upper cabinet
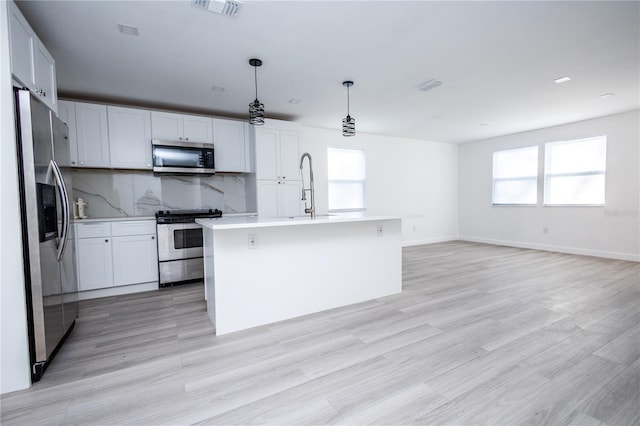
[(92, 135), (277, 154), (197, 129), (181, 127), (108, 136), (230, 142), (129, 138), (67, 113), (289, 164), (22, 40), (31, 64), (45, 71)]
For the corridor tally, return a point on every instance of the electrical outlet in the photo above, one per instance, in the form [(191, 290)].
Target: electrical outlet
[(253, 241), (380, 231)]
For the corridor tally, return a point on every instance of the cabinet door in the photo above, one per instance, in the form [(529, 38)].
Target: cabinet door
[(129, 138), (197, 129), (95, 268), (92, 135), (289, 163), (268, 198), (267, 153), (166, 125), (22, 45), (229, 145), (67, 113), (45, 72), (135, 259), (290, 199)]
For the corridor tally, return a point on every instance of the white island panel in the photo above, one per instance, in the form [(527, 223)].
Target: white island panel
[(298, 267)]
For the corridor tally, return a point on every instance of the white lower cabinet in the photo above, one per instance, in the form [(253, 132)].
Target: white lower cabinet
[(111, 254), (135, 259), (95, 268)]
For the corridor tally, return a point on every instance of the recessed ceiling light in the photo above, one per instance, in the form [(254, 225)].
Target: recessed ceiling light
[(484, 124), (217, 89), (606, 95), (128, 29), (562, 80), (437, 117), (429, 84), (294, 101)]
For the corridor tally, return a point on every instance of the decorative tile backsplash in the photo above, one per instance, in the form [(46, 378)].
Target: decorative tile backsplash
[(118, 193)]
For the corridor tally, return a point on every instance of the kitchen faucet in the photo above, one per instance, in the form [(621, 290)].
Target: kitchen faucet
[(311, 210)]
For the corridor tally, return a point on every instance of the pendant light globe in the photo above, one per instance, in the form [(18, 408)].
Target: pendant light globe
[(348, 123), (256, 108)]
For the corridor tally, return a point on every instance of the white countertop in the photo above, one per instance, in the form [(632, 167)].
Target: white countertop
[(114, 219), (133, 218), (238, 222)]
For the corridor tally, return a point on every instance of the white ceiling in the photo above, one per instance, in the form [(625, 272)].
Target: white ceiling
[(497, 61)]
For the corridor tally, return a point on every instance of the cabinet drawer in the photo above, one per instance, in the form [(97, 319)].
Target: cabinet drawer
[(92, 230), (137, 227)]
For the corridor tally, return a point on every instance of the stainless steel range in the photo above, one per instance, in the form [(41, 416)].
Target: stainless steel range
[(180, 255)]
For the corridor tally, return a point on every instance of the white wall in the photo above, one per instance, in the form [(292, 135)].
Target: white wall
[(417, 180), (610, 231), (14, 349)]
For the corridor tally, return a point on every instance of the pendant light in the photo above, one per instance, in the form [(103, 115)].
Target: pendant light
[(348, 123), (256, 109)]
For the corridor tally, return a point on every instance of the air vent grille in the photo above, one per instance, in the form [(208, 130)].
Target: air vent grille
[(221, 7)]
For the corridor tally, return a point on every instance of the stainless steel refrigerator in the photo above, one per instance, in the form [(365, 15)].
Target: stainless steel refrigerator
[(47, 237)]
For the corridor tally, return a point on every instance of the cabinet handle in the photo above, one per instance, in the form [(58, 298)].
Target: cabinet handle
[(73, 162), (148, 165), (153, 238), (180, 138), (82, 162), (186, 139), (284, 177), (106, 241)]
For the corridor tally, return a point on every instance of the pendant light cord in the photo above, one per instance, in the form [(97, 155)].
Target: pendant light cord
[(348, 101), (255, 77)]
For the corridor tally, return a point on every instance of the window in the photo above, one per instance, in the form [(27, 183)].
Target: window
[(346, 179), (574, 171), (515, 176)]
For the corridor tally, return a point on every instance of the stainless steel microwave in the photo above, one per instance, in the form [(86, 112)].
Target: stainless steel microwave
[(181, 157)]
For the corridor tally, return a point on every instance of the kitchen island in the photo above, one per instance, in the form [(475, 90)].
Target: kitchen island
[(262, 270)]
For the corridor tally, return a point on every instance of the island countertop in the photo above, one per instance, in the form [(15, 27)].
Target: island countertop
[(239, 222)]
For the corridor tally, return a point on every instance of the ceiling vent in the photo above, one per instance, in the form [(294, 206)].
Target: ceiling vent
[(429, 84), (221, 7)]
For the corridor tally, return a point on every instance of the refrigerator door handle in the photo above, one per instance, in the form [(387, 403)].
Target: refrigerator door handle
[(64, 199)]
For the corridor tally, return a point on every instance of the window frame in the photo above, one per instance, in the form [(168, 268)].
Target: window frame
[(533, 178), (546, 176), (363, 181)]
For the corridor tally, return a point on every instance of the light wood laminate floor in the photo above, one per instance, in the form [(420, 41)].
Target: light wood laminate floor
[(481, 334)]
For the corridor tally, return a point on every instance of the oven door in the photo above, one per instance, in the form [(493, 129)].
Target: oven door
[(179, 241)]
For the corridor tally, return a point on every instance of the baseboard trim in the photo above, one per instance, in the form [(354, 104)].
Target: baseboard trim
[(559, 249), (429, 241)]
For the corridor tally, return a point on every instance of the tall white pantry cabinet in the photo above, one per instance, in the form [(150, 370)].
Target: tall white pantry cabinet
[(278, 177)]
